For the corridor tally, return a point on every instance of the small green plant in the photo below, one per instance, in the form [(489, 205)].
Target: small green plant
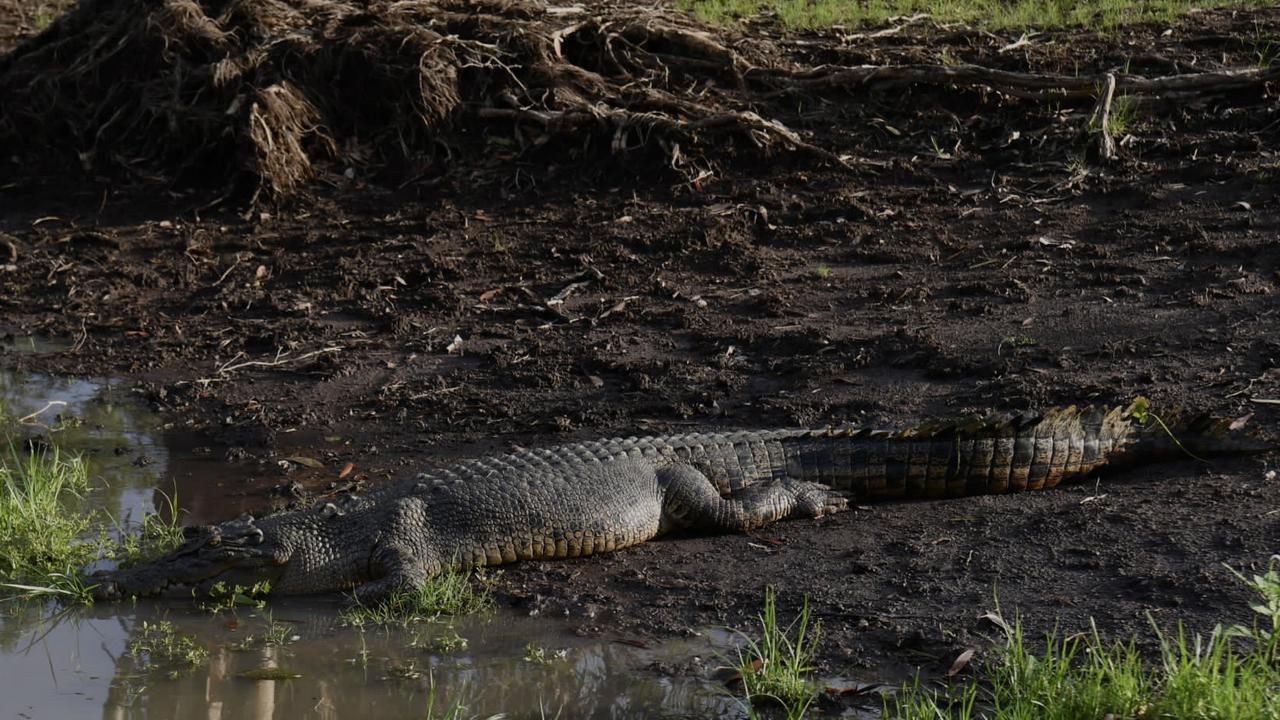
[(158, 534), (777, 665), (822, 272), (1266, 51), (539, 655), (1124, 112), (159, 644), (938, 152), (448, 641), (273, 633), (226, 598), (1140, 411), (1016, 341), (449, 593), (1267, 587), (277, 633)]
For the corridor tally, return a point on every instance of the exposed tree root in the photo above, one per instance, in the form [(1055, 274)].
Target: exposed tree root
[(211, 91)]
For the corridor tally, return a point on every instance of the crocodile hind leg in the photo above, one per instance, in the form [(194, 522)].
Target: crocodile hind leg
[(402, 572), (393, 564), (691, 501)]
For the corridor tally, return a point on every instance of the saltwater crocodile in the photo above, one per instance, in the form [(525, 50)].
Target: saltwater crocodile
[(600, 496)]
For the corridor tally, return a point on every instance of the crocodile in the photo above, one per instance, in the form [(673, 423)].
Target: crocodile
[(594, 497)]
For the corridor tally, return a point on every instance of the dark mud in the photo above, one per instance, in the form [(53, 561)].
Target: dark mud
[(990, 263)]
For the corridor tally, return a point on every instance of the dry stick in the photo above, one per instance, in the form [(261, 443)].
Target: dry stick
[(1102, 119), (280, 360), (84, 335), (41, 411)]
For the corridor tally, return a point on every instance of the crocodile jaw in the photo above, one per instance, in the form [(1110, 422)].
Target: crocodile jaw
[(233, 553)]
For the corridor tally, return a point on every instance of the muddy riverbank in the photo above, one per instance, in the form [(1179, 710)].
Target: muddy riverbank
[(985, 262)]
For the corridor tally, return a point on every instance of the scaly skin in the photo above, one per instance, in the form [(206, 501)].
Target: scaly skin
[(601, 496)]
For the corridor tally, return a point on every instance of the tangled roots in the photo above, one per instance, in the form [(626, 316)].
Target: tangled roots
[(268, 91)]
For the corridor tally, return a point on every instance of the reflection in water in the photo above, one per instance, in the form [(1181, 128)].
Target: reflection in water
[(76, 665), (20, 343), (135, 457), (79, 667)]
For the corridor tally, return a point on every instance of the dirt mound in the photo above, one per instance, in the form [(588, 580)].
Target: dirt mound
[(207, 90), (267, 94)]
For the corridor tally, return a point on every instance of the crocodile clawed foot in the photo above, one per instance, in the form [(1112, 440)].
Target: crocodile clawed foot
[(815, 500)]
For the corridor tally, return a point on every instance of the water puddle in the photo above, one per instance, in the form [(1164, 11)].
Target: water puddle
[(78, 664), (81, 666)]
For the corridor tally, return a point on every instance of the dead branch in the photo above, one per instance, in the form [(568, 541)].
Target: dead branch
[(281, 358), (1101, 120), (1041, 85), (11, 243)]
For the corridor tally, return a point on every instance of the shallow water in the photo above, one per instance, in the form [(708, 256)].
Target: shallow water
[(77, 664)]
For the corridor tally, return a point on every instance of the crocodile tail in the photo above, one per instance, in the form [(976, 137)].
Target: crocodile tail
[(1199, 436), (1007, 453), (1034, 451)]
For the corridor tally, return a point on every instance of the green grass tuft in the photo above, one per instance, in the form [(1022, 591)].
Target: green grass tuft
[(1230, 674), (777, 666), (41, 552), (46, 541), (994, 14), (452, 592)]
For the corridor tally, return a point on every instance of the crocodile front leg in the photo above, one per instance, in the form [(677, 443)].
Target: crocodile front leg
[(691, 501)]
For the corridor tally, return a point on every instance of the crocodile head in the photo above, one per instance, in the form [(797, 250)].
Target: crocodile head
[(234, 553)]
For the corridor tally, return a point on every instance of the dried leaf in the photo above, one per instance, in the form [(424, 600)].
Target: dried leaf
[(1240, 422), (346, 470), (312, 463), (998, 621), (960, 662)]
